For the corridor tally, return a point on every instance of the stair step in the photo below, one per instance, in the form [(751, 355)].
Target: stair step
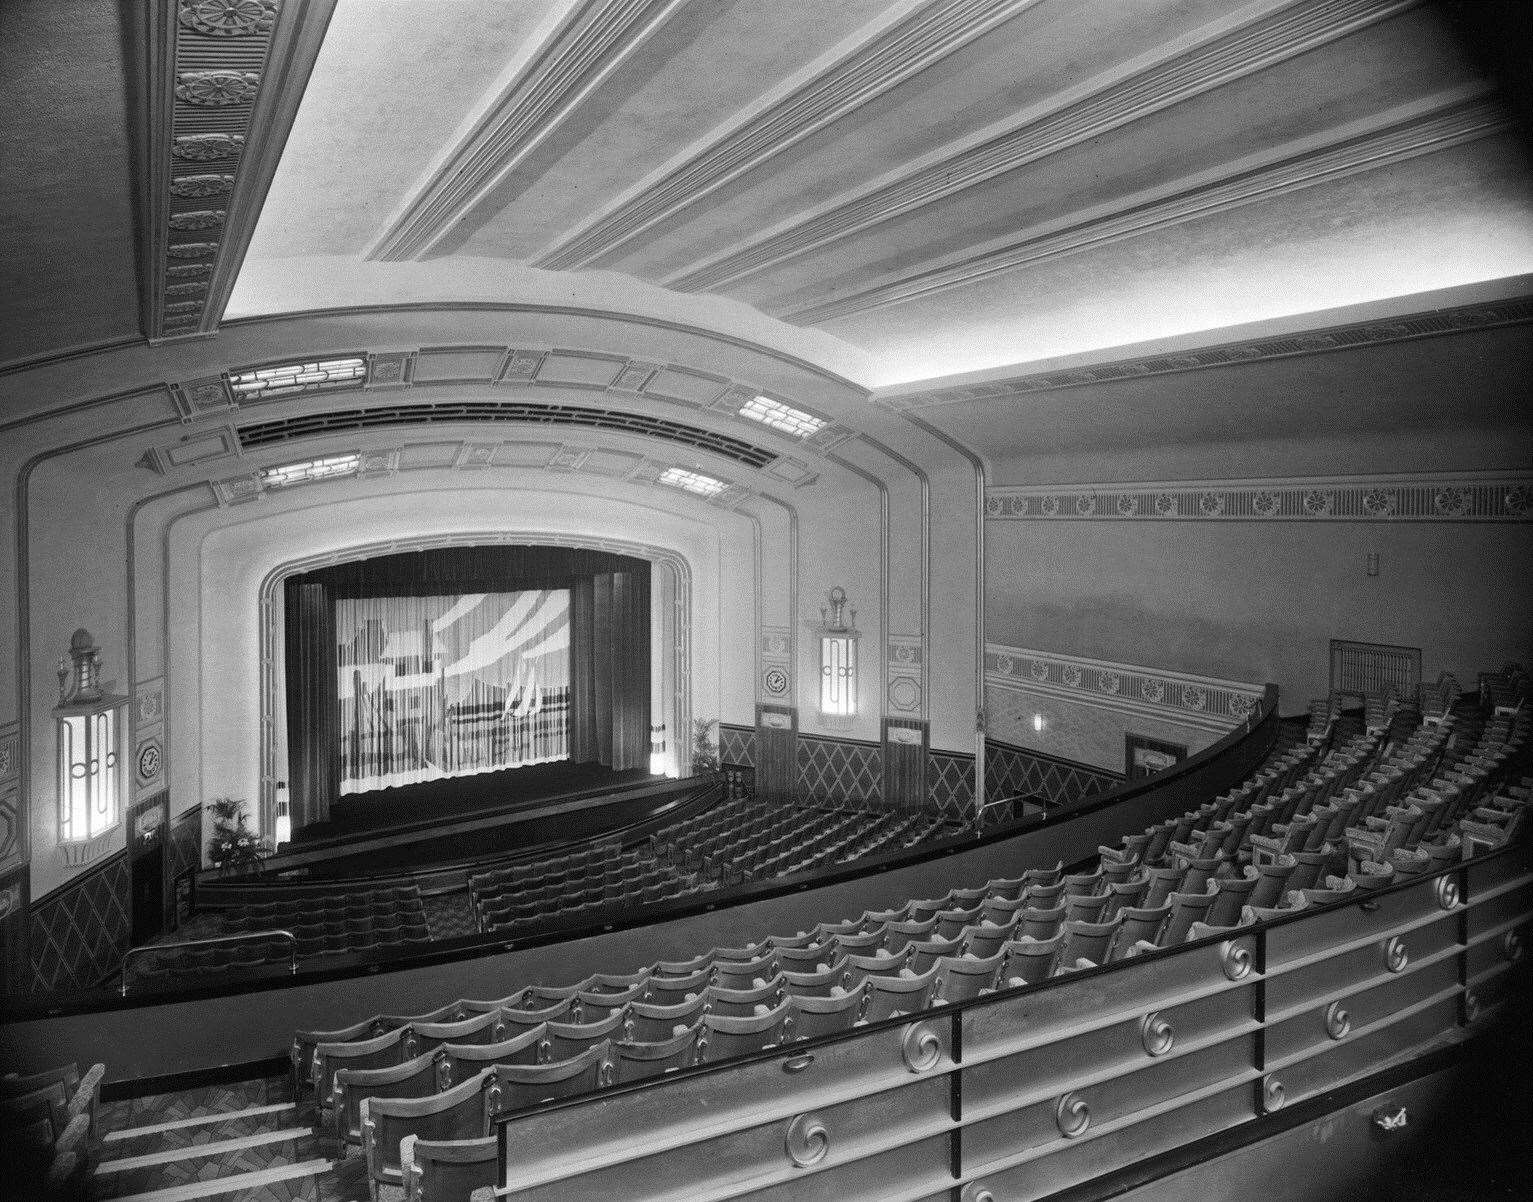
[(229, 1185), (201, 1151), (198, 1121)]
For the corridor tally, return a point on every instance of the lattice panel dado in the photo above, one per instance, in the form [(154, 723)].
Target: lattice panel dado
[(78, 934), (1012, 772), (1453, 498), (840, 772), (737, 745), (950, 785)]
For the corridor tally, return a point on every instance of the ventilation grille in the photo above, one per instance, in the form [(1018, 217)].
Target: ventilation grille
[(260, 434)]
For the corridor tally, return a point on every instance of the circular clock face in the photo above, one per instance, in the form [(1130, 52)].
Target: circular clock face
[(149, 761), (776, 681)]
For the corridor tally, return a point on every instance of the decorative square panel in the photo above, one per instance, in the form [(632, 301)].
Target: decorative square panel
[(950, 785), (378, 463), (149, 702), (391, 369), (237, 490), (198, 398), (522, 366), (737, 745), (10, 753), (475, 456), (633, 376), (568, 459), (687, 387)]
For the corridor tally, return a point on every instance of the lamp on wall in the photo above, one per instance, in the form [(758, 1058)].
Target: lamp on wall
[(838, 657), (88, 725), (282, 827)]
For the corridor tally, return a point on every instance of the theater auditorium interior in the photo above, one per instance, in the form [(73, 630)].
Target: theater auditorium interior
[(899, 600)]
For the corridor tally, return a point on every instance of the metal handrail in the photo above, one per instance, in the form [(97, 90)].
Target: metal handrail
[(276, 932)]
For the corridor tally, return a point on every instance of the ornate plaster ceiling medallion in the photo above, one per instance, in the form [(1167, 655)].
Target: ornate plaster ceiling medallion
[(229, 18), (207, 148), (198, 219), (192, 250), (217, 89), (202, 185)]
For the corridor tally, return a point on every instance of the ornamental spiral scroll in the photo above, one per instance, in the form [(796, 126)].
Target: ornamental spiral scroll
[(1236, 958), (1273, 1094), (207, 148), (1511, 946), (1072, 1115), (1447, 892), (201, 185), (921, 1046), (808, 1140), (976, 1192), (1338, 1023), (1156, 1034), (1396, 957)]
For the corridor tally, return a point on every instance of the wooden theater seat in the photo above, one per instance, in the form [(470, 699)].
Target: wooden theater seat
[(457, 1062), (459, 1113), (438, 1170), (515, 1086), (414, 1078)]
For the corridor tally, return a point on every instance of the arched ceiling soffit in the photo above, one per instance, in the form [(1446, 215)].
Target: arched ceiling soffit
[(905, 188)]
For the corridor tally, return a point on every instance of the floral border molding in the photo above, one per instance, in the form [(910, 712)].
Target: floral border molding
[(1451, 497)]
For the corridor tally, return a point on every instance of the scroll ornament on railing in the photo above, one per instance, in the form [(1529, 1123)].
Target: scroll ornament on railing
[(808, 1140), (1157, 1034), (921, 1046), (1072, 1115), (1272, 1094)]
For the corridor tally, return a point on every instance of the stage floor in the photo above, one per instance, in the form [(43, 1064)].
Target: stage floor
[(433, 804)]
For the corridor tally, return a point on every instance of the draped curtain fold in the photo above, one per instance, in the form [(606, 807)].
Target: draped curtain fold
[(313, 708)]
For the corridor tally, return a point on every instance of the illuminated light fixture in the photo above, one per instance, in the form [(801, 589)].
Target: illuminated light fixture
[(89, 726), (657, 757), (285, 378), (1038, 723), (311, 469), (782, 417), (282, 827), (693, 482), (838, 657)]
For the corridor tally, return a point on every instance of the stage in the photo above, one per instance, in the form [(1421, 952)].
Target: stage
[(462, 820)]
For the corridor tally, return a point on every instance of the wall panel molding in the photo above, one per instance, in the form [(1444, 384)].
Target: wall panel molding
[(1444, 497)]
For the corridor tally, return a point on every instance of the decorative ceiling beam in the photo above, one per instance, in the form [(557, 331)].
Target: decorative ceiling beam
[(1241, 44), (1433, 124), (222, 83), (907, 40), (589, 41)]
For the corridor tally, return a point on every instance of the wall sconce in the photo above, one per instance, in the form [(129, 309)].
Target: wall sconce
[(1038, 723), (88, 725), (282, 826), (838, 657)]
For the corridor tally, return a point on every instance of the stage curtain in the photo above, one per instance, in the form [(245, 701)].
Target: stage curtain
[(439, 686), (313, 706), (609, 669)]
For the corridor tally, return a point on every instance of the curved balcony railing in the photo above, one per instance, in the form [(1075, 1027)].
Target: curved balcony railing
[(1033, 1090), (171, 950)]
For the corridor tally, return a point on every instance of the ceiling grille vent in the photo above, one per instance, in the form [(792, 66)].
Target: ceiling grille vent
[(261, 434)]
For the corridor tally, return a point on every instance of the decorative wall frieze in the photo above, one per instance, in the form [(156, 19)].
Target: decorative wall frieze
[(1206, 702), (222, 81), (1488, 315), (1446, 497), (1225, 51), (148, 737), (1347, 151), (594, 39), (901, 46)]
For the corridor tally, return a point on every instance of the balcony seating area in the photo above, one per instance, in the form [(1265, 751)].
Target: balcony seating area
[(733, 843), (1317, 823), (48, 1125)]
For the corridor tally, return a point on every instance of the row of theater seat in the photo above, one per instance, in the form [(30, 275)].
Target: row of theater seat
[(733, 843), (1312, 827), (48, 1127)]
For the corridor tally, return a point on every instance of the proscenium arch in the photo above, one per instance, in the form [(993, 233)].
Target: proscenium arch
[(676, 649)]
